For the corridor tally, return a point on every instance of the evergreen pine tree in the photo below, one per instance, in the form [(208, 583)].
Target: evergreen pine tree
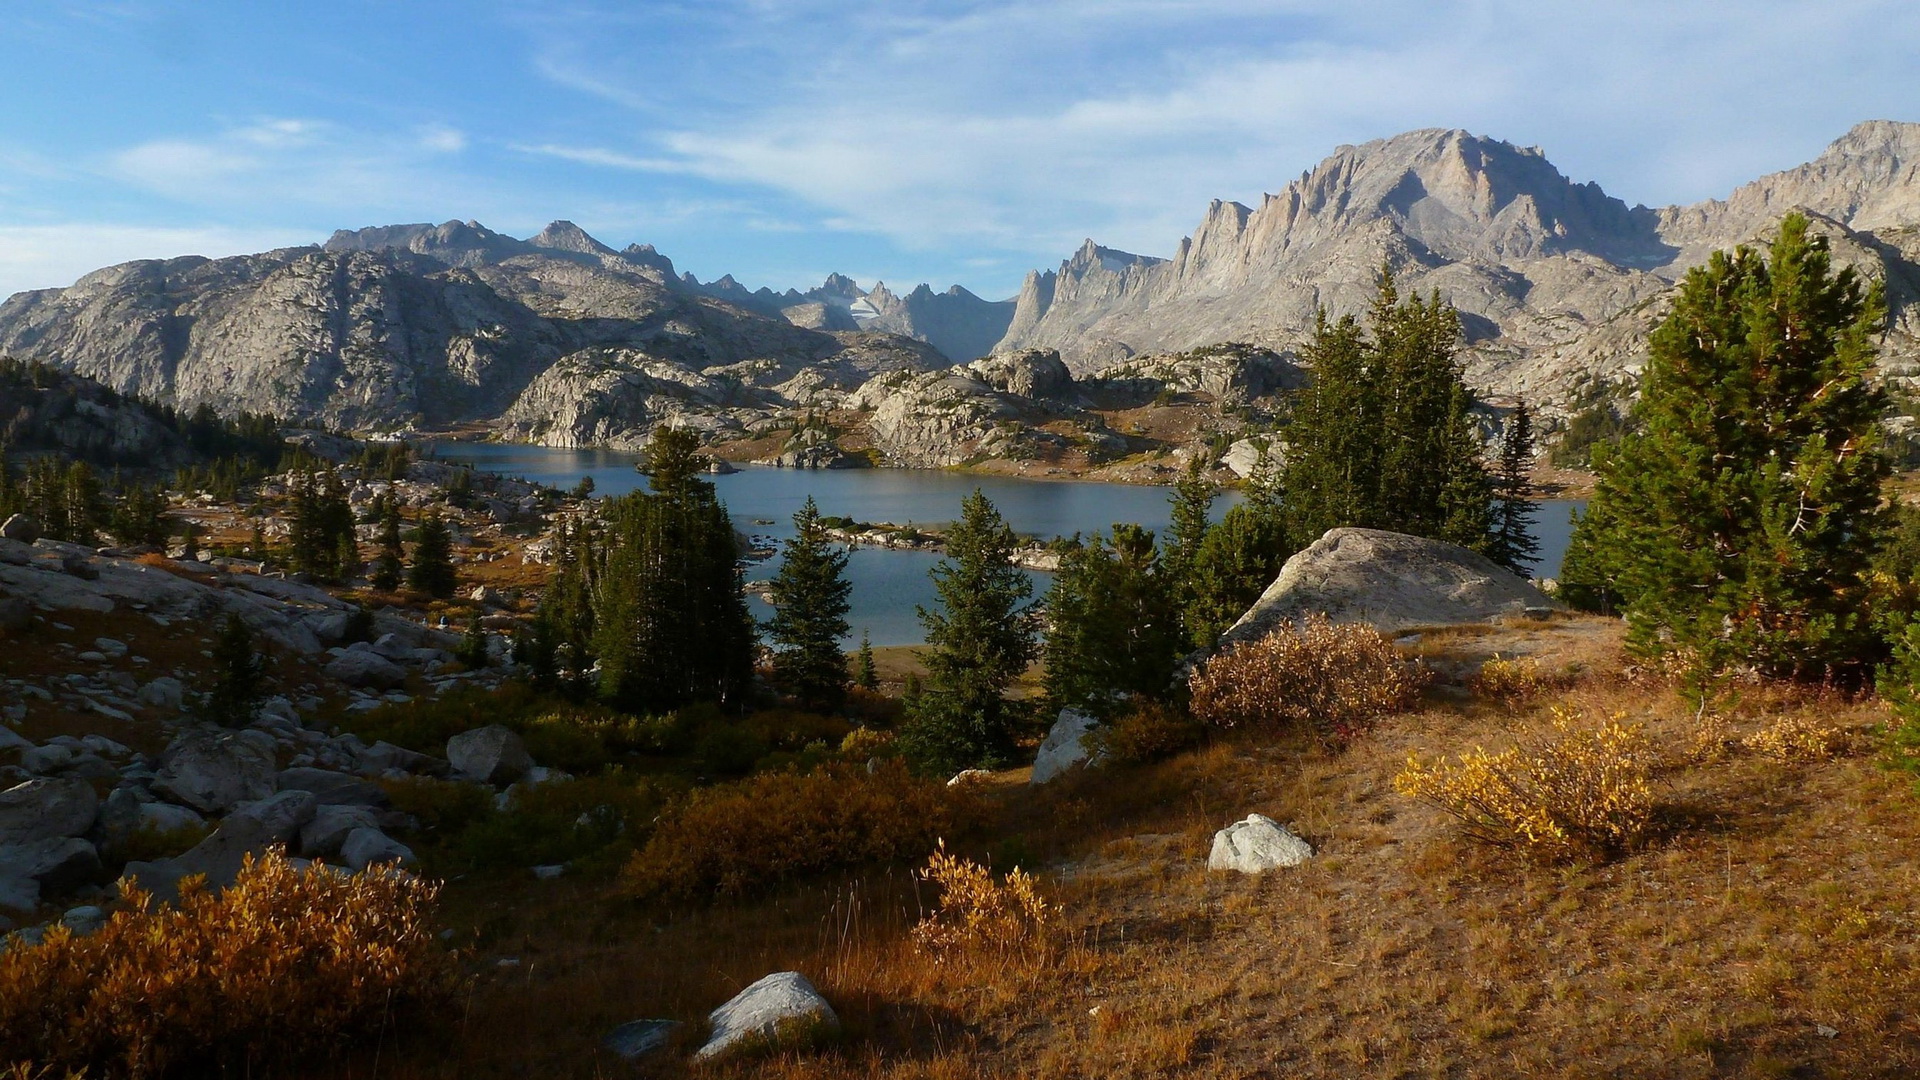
[(810, 604), (388, 565), (1192, 499), (1239, 558), (980, 639), (670, 625), (1335, 441), (1738, 524), (865, 675), (1513, 544), (240, 674), (432, 570), (305, 552), (473, 645), (1114, 628)]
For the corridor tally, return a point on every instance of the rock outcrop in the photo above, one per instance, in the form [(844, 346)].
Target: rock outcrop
[(1389, 580), (1557, 280), (1065, 746)]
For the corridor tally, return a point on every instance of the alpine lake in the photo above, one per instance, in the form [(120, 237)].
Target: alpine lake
[(890, 585)]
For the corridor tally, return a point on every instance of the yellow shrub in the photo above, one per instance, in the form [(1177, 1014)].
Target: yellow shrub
[(1509, 680), (1795, 738), (734, 837), (1580, 791), (979, 914), (1332, 678), (863, 743), (284, 964)]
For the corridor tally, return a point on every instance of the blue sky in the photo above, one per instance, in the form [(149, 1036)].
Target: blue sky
[(947, 142)]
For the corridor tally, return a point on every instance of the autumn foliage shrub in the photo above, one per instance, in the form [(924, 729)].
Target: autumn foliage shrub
[(283, 965), (732, 838), (1578, 791), (979, 914), (1147, 732), (1334, 679), (1796, 738)]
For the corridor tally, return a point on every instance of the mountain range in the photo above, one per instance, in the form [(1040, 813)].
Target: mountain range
[(563, 339)]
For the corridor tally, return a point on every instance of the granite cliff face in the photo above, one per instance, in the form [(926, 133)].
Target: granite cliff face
[(1557, 281), (413, 324)]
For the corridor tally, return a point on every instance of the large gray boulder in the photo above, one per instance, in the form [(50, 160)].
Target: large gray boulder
[(366, 847), (46, 809), (781, 1006), (44, 867), (1030, 373), (1391, 581), (22, 527), (1065, 745), (492, 754), (1256, 845), (331, 788), (322, 837), (365, 669), (212, 770), (250, 830)]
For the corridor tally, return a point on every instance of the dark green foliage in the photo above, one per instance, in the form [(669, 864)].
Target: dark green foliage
[(432, 570), (1236, 562), (1597, 426), (1900, 687), (1192, 499), (865, 676), (388, 565), (1115, 630), (139, 516), (66, 498), (239, 676), (1513, 545), (1384, 437), (810, 600), (563, 626), (670, 625), (1738, 525), (583, 489), (472, 650), (320, 540), (981, 638), (673, 462), (459, 489), (359, 626)]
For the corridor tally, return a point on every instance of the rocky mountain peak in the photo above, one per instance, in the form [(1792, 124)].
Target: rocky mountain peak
[(566, 236)]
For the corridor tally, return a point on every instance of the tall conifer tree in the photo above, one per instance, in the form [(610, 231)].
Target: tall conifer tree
[(1513, 545), (810, 595), (980, 639), (1737, 526)]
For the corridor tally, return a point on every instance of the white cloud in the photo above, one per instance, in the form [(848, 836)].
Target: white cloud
[(1025, 127), (54, 256), (443, 140), (600, 156)]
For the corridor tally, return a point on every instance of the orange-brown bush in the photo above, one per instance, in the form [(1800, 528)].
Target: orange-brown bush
[(1148, 732), (1331, 678), (1579, 791), (979, 914), (283, 964), (734, 837)]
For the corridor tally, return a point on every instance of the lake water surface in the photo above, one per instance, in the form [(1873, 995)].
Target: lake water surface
[(888, 585)]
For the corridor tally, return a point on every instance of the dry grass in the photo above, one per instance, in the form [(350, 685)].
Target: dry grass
[(1776, 898)]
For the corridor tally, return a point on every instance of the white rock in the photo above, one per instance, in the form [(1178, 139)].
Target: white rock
[(1065, 746), (165, 692), (783, 1004), (1256, 845)]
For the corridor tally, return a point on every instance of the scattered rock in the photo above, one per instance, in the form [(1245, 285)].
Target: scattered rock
[(46, 809), (333, 788), (637, 1038), (1393, 581), (1256, 845), (322, 837), (365, 669), (21, 527), (84, 920), (781, 1007), (549, 871), (43, 760), (968, 776), (366, 847), (165, 692), (13, 740), (492, 754), (211, 770), (1065, 746), (45, 867)]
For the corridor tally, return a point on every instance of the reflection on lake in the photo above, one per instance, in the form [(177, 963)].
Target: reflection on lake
[(888, 585)]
